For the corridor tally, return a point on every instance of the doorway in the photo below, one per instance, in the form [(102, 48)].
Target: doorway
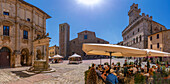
[(4, 57)]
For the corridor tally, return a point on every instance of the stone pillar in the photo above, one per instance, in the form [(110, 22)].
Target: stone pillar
[(17, 58), (47, 59), (34, 56)]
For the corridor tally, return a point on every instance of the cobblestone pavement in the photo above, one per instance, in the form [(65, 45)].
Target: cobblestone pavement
[(65, 74)]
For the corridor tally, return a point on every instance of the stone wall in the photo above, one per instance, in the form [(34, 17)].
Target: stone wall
[(139, 25), (166, 39), (53, 50), (64, 38), (76, 44), (19, 13)]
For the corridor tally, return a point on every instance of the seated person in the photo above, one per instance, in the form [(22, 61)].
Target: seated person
[(125, 70), (112, 78), (104, 74), (100, 68), (112, 67), (134, 70), (98, 72), (107, 68)]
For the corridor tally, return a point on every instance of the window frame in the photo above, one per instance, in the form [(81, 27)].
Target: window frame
[(151, 46), (5, 13), (150, 38), (25, 34), (6, 32), (157, 36), (28, 19), (158, 46), (137, 40), (134, 40), (85, 36), (140, 38), (160, 28), (138, 29)]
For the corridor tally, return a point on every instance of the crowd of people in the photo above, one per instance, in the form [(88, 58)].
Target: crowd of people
[(114, 73)]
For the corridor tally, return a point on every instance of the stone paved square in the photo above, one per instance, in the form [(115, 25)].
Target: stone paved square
[(65, 74)]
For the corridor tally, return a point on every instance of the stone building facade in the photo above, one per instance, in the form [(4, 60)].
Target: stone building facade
[(139, 27), (20, 24), (68, 47), (53, 50), (160, 41)]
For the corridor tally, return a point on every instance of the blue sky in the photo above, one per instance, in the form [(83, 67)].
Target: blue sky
[(107, 19)]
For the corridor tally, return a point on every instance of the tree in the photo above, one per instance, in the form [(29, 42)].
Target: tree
[(92, 76)]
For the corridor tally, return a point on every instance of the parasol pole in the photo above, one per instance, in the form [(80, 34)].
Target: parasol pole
[(148, 65), (100, 60), (110, 58)]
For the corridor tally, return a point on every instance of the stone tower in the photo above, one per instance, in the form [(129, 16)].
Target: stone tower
[(133, 13), (64, 37)]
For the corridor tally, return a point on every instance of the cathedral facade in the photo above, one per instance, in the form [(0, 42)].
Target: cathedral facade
[(68, 47)]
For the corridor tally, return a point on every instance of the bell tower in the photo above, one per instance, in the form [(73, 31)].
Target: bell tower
[(64, 37), (133, 13)]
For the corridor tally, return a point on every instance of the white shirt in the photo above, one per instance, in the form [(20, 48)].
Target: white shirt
[(134, 70), (167, 69)]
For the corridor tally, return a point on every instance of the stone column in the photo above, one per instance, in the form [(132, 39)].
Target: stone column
[(17, 58), (47, 59), (34, 56)]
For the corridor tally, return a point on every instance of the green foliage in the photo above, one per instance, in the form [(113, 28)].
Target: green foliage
[(119, 57), (159, 78), (92, 77), (118, 63), (139, 79), (131, 63), (86, 73), (157, 62), (106, 63), (166, 62)]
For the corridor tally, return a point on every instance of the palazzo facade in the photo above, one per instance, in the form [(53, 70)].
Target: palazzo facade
[(139, 28), (20, 25)]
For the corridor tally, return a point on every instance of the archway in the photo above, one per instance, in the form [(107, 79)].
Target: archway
[(38, 56), (24, 57), (5, 57)]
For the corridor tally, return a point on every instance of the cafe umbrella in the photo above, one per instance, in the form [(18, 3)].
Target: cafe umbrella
[(112, 50)]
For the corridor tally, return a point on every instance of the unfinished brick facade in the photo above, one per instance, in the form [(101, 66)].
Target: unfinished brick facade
[(69, 47)]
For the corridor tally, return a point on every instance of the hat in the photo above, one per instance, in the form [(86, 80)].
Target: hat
[(112, 71)]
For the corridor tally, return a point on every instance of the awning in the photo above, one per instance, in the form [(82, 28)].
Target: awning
[(56, 56), (75, 55), (155, 53), (115, 50)]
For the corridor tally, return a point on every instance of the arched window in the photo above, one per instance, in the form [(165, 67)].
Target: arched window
[(136, 39), (157, 36), (138, 29), (25, 34), (140, 38), (6, 30), (133, 40), (160, 28)]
